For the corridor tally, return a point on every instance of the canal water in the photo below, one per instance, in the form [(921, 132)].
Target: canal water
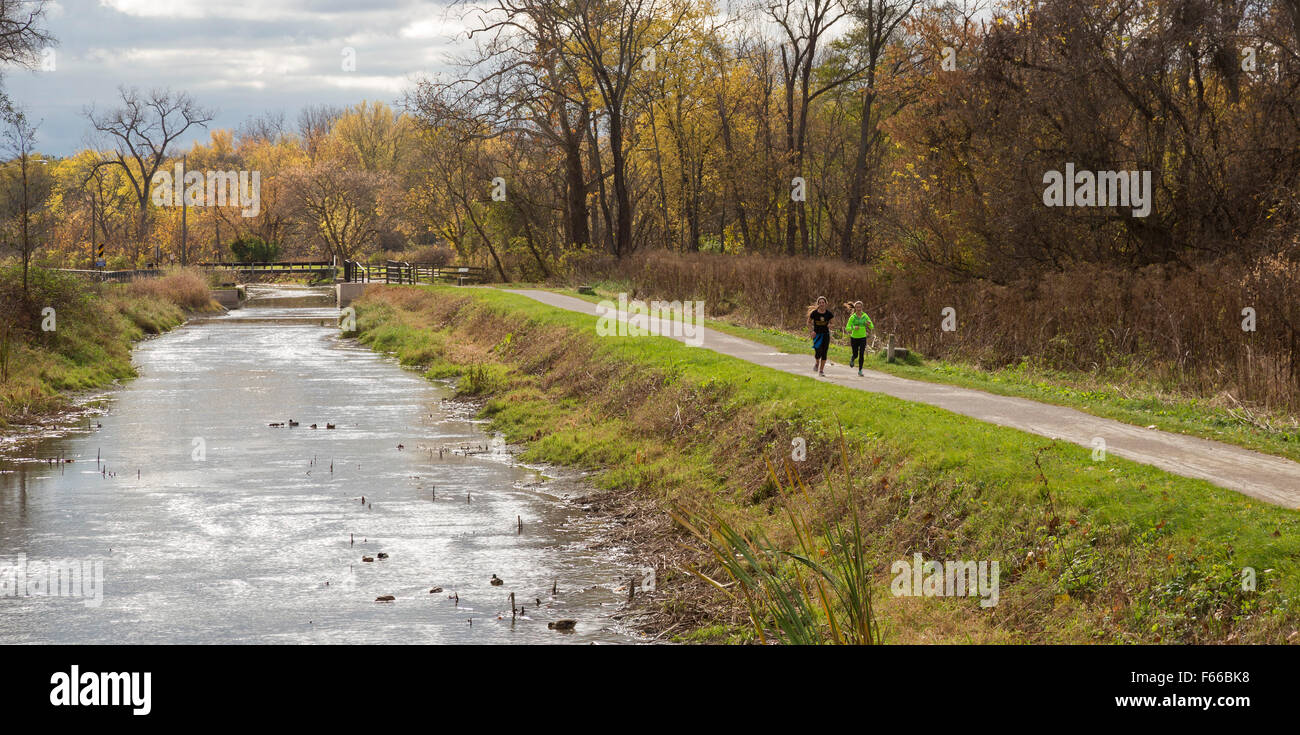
[(214, 527)]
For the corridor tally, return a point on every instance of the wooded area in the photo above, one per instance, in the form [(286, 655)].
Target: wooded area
[(876, 131), (916, 142)]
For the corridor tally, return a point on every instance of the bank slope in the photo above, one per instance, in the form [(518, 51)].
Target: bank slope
[(1105, 551), (66, 335)]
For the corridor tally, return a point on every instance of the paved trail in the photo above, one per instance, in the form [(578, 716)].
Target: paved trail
[(1268, 478)]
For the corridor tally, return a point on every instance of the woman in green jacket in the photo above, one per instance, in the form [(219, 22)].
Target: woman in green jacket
[(857, 327)]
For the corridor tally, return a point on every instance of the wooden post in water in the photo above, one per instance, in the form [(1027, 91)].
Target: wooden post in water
[(512, 606)]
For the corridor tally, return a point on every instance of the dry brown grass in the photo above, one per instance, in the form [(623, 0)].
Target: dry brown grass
[(187, 289), (1179, 327)]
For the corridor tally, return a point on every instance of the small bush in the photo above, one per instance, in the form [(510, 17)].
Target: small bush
[(253, 249), (483, 378), (184, 288), (438, 256)]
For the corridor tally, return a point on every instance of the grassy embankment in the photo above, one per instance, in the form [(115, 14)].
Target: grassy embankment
[(1120, 394), (1105, 551), (90, 344)]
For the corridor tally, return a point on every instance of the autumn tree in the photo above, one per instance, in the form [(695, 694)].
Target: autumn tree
[(140, 132)]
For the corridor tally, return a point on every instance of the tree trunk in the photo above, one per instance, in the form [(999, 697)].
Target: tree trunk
[(577, 232), (27, 245), (600, 181), (741, 217), (856, 184), (487, 241), (622, 198), (528, 237)]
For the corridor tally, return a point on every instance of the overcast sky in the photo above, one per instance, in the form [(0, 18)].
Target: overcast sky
[(239, 57)]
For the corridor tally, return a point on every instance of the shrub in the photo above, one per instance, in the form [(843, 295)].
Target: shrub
[(253, 249), (184, 288), (438, 256)]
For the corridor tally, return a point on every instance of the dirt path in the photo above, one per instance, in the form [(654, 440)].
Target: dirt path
[(1268, 478)]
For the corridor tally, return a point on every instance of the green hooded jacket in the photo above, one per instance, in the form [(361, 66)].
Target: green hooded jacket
[(858, 325)]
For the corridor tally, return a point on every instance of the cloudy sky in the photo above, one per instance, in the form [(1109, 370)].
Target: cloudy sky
[(239, 57)]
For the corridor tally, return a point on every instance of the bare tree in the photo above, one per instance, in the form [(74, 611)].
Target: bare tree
[(518, 84), (607, 44), (268, 127), (19, 139), (141, 131), (314, 125), (804, 24), (878, 26), (21, 34)]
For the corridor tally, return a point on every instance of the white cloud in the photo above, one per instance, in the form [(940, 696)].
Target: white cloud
[(241, 9), (437, 29), (238, 57), (388, 84)]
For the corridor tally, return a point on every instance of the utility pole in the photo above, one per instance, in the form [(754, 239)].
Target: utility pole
[(184, 222), (27, 250), (92, 229)]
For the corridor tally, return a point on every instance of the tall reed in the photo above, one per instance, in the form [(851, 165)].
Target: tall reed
[(818, 593)]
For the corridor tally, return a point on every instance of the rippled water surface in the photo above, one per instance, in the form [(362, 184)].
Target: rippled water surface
[(239, 532)]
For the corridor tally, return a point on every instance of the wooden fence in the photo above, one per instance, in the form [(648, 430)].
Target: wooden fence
[(391, 271), (394, 271), (285, 267), (112, 276)]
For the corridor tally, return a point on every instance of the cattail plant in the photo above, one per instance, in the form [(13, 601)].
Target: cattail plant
[(819, 592)]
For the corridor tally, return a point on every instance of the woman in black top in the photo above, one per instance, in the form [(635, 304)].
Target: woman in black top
[(821, 317)]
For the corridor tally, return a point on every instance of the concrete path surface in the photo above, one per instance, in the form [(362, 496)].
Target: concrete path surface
[(1266, 477)]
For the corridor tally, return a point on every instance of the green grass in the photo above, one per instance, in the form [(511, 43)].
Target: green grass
[(1119, 395), (1107, 551), (89, 348)]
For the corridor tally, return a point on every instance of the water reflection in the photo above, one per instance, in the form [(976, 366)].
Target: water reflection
[(218, 528)]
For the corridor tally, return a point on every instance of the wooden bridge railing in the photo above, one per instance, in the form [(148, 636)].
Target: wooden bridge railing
[(125, 276), (284, 266), (397, 271), (392, 271)]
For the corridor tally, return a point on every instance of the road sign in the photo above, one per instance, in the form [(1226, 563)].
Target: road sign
[(99, 263)]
